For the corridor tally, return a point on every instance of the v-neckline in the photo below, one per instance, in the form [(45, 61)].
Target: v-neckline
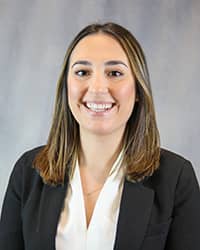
[(82, 202), (79, 190)]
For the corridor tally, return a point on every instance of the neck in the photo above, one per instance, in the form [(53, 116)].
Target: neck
[(98, 153)]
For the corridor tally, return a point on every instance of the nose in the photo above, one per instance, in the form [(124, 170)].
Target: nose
[(98, 84)]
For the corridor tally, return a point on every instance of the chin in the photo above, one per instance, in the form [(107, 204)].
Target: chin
[(104, 131), (99, 132)]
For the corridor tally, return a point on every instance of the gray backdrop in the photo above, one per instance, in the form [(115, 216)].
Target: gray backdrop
[(34, 35)]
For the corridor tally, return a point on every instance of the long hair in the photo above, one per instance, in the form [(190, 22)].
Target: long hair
[(141, 142)]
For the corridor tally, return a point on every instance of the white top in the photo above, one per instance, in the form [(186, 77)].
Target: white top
[(72, 231)]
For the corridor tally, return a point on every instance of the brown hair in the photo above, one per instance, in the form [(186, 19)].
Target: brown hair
[(141, 143)]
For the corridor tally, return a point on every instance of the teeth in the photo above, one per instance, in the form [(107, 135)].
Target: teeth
[(98, 107)]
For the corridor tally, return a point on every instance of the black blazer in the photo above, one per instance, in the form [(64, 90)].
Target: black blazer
[(161, 212)]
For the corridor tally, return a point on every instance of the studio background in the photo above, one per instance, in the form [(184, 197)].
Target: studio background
[(34, 35)]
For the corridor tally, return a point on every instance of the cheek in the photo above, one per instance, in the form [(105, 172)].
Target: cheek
[(74, 91), (127, 95)]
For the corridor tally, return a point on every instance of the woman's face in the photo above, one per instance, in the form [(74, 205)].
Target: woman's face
[(101, 86)]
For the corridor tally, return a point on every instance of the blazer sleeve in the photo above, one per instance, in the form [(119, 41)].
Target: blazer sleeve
[(11, 236), (185, 227)]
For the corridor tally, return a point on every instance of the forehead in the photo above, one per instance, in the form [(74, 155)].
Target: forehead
[(98, 47)]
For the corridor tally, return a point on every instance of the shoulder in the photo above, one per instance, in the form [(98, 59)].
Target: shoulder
[(174, 184), (172, 164), (30, 154), (27, 157), (175, 171), (24, 162), (23, 174), (168, 157), (24, 178)]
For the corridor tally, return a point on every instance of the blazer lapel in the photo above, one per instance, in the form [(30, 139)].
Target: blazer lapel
[(51, 204), (134, 214)]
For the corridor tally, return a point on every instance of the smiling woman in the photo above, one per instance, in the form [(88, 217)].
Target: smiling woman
[(102, 97), (102, 181)]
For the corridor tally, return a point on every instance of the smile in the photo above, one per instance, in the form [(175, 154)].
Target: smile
[(99, 107)]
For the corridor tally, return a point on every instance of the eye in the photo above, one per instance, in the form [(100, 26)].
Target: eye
[(82, 73), (115, 73)]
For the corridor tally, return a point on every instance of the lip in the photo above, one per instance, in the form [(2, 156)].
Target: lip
[(101, 113), (99, 102)]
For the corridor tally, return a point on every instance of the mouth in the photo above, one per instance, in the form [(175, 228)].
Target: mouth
[(99, 107)]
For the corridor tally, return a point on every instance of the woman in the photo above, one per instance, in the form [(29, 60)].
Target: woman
[(102, 181)]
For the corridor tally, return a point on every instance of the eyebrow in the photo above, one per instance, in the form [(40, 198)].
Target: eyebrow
[(108, 63)]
